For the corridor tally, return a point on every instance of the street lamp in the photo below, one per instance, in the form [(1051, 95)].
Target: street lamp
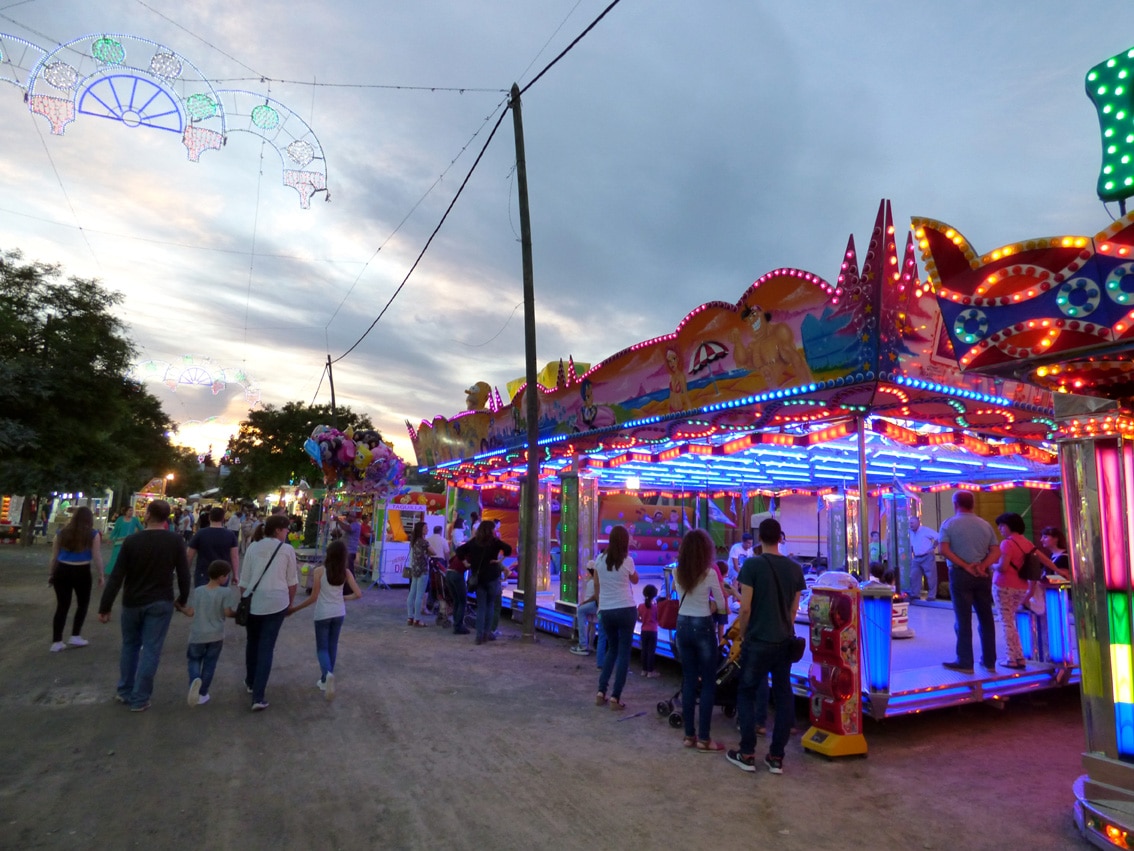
[(168, 478)]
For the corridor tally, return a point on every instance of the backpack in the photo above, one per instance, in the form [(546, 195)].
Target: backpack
[(1032, 568)]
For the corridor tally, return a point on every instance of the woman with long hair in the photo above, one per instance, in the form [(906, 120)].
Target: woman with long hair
[(330, 610), (615, 577), (77, 547), (482, 555), (420, 552), (699, 584)]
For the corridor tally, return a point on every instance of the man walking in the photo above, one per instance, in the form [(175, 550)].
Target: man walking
[(145, 568), (923, 541), (770, 585), (213, 542), (969, 544)]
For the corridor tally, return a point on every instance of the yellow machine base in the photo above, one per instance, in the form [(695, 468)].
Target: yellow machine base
[(832, 744)]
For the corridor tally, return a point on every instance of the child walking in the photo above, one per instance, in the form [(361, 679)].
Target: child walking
[(648, 615), (208, 605), (330, 611)]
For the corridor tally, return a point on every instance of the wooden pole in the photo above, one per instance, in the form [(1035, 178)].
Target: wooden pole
[(528, 549)]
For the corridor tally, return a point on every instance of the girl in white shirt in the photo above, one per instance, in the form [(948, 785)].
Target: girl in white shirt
[(330, 611), (614, 577)]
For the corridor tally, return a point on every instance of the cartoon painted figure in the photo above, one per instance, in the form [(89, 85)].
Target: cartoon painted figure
[(772, 351), (678, 382), (592, 416)]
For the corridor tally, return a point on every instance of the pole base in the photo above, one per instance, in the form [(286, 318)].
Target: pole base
[(830, 744)]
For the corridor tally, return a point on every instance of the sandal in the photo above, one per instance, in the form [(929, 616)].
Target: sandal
[(689, 742), (409, 621), (709, 746), (616, 704), (419, 623), (600, 699)]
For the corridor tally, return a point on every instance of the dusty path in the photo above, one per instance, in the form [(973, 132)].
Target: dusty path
[(435, 743)]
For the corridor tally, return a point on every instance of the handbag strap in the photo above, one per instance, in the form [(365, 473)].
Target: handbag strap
[(265, 570)]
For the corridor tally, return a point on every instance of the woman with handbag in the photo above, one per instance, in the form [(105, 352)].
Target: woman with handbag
[(271, 570), (420, 553), (482, 555), (1010, 590), (702, 595), (615, 577)]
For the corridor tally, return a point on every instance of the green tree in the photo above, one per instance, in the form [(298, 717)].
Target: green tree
[(69, 417), (267, 451)]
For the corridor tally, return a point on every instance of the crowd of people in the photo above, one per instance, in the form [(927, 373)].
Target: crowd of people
[(216, 572)]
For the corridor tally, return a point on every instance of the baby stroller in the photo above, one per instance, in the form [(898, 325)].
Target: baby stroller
[(439, 597), (728, 677)]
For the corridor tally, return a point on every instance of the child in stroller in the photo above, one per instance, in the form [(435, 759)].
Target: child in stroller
[(728, 677), (440, 600)]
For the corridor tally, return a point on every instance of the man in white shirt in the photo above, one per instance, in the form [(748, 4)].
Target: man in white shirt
[(439, 544), (738, 554), (923, 541)]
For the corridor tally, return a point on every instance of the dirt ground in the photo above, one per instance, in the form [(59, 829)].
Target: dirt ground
[(433, 742)]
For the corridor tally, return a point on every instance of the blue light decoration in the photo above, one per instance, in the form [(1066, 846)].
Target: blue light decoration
[(140, 83), (877, 626)]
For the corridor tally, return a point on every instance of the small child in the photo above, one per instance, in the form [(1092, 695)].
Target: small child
[(648, 615), (720, 616), (208, 605), (587, 608), (330, 611)]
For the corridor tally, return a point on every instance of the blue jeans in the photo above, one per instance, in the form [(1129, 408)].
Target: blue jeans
[(618, 624), (416, 598), (583, 615), (757, 660), (969, 593), (455, 582), (263, 630), (143, 634), (600, 641), (203, 662), (926, 566), (327, 644), (697, 647), (487, 593)]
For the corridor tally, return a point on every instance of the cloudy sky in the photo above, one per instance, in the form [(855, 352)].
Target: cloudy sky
[(677, 153)]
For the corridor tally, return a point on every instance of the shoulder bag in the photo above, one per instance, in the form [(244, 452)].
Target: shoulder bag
[(1031, 570), (244, 607), (798, 645), (667, 612)]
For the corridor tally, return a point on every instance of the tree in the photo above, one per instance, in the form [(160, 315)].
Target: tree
[(69, 417), (267, 451)]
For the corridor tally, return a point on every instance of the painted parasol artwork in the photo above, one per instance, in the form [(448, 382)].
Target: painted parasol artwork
[(706, 354)]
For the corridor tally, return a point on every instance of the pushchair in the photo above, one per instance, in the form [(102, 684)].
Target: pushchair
[(439, 597), (728, 678)]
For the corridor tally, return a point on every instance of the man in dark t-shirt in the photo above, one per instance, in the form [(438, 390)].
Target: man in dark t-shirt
[(144, 571), (770, 585), (214, 542)]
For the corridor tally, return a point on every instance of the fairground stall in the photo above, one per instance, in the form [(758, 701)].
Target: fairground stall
[(843, 399)]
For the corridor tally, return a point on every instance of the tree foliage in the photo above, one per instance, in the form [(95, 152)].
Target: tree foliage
[(70, 420), (267, 452)]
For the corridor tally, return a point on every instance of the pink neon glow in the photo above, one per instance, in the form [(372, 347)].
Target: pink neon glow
[(1111, 518), (1128, 469)]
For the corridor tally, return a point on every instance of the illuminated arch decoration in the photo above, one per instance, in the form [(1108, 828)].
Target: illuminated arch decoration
[(192, 371), (304, 168), (1109, 86), (1042, 303), (141, 83)]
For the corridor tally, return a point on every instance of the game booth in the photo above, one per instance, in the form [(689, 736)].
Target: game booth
[(839, 406)]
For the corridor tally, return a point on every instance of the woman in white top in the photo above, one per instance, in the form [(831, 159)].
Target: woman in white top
[(614, 577), (699, 585), (330, 611)]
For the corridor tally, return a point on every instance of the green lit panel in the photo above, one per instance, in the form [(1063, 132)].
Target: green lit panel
[(1118, 610), (1109, 88), (569, 540)]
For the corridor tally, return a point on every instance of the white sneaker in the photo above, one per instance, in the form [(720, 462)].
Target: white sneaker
[(322, 685), (202, 700), (78, 641), (194, 698), (329, 690), (57, 646)]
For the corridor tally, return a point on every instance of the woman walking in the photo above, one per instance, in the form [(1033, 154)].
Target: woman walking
[(125, 526), (615, 577), (699, 585), (482, 555), (77, 547), (420, 553), (330, 611)]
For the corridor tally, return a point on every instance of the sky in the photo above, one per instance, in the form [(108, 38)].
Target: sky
[(674, 155)]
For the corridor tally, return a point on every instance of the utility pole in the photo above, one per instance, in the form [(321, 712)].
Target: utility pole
[(528, 550)]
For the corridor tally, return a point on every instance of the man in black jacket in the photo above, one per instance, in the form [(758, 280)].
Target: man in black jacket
[(145, 568)]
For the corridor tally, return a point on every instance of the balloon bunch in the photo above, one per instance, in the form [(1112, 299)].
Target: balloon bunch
[(360, 459)]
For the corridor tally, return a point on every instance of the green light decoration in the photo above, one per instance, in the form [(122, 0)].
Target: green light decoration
[(1078, 297), (265, 117), (1109, 88), (971, 325), (108, 51), (200, 107), (1120, 284)]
